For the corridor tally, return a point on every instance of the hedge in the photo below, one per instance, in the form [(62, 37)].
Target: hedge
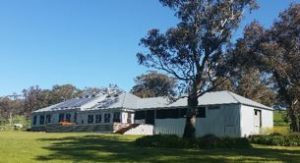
[(276, 139), (208, 141)]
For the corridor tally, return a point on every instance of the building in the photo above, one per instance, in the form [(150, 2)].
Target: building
[(221, 113)]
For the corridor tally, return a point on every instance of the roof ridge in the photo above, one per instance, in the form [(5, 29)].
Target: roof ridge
[(232, 95)]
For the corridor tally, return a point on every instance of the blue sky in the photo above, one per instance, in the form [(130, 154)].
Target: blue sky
[(85, 43)]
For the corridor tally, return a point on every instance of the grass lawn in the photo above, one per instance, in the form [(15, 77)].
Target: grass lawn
[(93, 147)]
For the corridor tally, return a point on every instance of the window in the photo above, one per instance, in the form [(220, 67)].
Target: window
[(75, 117), (42, 119), (182, 113), (116, 117), (61, 117), (48, 118), (201, 112), (34, 120), (106, 117), (68, 117), (256, 112), (98, 118), (140, 115), (129, 118), (213, 107), (167, 113), (90, 119)]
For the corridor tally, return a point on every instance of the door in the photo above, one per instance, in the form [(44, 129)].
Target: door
[(231, 116), (257, 121), (149, 117)]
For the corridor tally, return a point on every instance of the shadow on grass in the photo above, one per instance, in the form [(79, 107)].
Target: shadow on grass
[(102, 148)]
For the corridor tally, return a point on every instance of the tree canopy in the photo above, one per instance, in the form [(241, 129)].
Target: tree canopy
[(154, 84), (276, 51), (193, 51)]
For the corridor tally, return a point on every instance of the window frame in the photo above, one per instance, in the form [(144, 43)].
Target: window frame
[(61, 117), (201, 112), (117, 117), (98, 118), (48, 118), (34, 120), (107, 117), (90, 119), (42, 119), (68, 117)]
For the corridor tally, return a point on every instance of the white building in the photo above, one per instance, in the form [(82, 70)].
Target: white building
[(221, 113)]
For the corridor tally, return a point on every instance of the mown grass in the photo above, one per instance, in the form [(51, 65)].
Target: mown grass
[(93, 147)]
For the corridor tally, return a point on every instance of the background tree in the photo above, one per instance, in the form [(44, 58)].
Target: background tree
[(90, 91), (154, 84), (250, 83), (35, 98), (276, 51), (193, 51), (9, 106), (64, 92), (281, 53), (252, 86)]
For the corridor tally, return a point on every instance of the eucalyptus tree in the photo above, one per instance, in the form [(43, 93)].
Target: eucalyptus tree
[(193, 51), (276, 51), (154, 84)]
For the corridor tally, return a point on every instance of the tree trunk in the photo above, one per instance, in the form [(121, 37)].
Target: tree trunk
[(10, 120), (295, 123), (190, 123)]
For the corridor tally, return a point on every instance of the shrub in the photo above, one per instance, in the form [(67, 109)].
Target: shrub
[(170, 141), (276, 139), (207, 141)]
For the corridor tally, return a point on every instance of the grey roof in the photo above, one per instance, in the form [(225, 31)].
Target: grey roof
[(68, 104), (154, 102), (123, 100), (220, 97), (130, 101)]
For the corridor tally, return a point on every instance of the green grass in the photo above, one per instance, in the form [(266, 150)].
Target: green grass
[(92, 147)]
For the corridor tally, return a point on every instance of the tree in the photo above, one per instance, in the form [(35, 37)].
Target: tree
[(251, 85), (154, 84), (64, 92), (281, 53), (10, 106), (276, 51), (193, 51), (35, 98), (90, 91)]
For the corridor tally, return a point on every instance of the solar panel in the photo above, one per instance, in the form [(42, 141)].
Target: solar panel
[(75, 102)]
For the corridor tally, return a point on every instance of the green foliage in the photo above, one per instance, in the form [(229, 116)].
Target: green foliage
[(275, 51), (276, 139), (280, 118), (18, 119), (208, 141), (154, 84)]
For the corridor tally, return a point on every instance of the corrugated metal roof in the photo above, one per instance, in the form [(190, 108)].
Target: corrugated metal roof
[(209, 98), (68, 104), (130, 101)]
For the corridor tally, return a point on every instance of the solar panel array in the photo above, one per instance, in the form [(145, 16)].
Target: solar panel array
[(75, 102), (107, 102)]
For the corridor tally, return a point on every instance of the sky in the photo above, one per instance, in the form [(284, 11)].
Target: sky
[(87, 43)]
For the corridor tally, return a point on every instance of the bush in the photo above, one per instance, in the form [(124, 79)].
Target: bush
[(18, 119), (208, 141), (276, 139)]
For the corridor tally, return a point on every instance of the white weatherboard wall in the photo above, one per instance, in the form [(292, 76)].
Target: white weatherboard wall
[(247, 120), (224, 121), (142, 129)]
